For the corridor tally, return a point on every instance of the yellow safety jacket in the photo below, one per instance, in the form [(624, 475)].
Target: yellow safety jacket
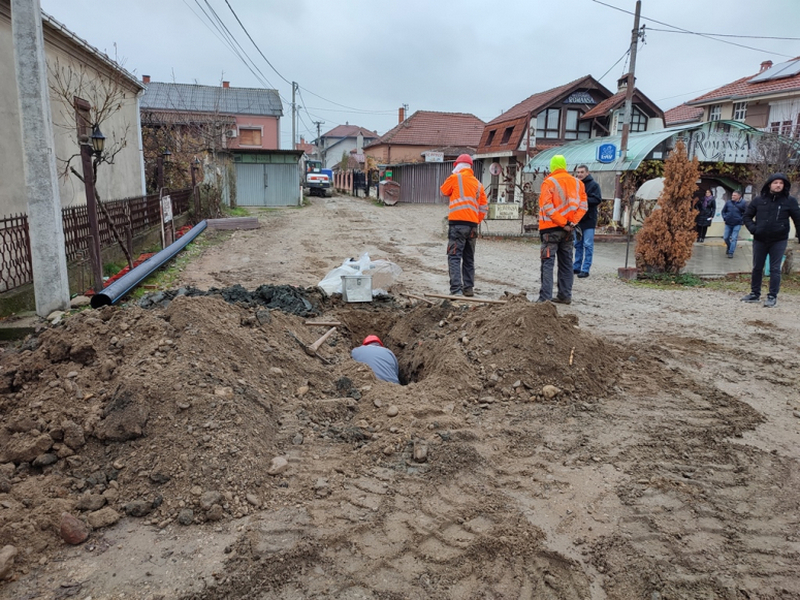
[(562, 200)]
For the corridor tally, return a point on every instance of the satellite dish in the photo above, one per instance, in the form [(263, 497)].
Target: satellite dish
[(495, 168)]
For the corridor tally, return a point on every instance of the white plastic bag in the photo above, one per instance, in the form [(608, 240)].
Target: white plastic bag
[(384, 273)]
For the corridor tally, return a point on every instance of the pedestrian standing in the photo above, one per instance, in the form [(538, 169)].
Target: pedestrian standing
[(584, 239), (705, 207), (767, 218), (562, 204), (733, 215), (468, 207)]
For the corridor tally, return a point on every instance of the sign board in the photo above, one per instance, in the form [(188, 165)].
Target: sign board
[(495, 169), (580, 98), (166, 208), (606, 153), (734, 146), (434, 156), (500, 210)]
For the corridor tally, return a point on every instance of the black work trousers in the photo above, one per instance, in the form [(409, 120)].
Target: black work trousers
[(775, 252), (461, 241), (556, 243)]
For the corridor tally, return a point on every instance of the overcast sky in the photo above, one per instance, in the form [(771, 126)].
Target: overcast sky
[(358, 61)]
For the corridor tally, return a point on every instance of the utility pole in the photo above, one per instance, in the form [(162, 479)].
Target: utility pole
[(626, 127), (319, 142), (48, 253), (626, 121), (294, 115)]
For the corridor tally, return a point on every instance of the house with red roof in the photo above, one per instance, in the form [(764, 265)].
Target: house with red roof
[(682, 115), (344, 141), (768, 100), (427, 131), (578, 110)]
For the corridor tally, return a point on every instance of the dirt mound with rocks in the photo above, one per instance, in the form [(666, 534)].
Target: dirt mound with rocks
[(178, 413)]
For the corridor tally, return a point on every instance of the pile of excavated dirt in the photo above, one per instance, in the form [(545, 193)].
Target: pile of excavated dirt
[(173, 414), (523, 457)]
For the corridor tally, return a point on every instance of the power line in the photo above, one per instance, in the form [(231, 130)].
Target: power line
[(732, 35), (624, 54), (681, 29), (364, 111)]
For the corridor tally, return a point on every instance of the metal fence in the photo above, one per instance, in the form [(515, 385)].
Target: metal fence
[(420, 182), (139, 213)]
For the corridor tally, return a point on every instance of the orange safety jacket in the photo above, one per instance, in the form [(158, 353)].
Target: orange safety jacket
[(562, 200), (467, 197)]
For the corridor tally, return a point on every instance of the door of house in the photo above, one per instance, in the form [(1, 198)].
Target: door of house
[(267, 184)]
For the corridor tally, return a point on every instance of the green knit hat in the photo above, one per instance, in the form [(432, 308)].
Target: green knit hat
[(558, 162)]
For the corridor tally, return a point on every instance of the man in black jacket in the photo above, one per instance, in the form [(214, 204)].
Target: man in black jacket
[(767, 218), (584, 245)]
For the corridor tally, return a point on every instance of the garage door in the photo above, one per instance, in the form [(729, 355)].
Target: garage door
[(267, 184)]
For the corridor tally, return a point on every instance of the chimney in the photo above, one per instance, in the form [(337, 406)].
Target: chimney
[(145, 78), (765, 65), (401, 114), (622, 83), (226, 84)]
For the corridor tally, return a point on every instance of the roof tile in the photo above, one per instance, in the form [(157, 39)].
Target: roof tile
[(343, 131), (212, 99), (682, 114), (742, 88), (429, 128)]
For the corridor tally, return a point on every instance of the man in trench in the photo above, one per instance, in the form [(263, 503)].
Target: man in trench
[(381, 360)]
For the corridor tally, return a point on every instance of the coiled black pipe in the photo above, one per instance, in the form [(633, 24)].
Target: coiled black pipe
[(130, 280)]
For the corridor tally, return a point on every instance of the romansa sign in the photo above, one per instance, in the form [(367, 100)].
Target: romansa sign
[(712, 145)]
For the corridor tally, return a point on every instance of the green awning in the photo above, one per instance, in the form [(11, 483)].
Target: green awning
[(584, 152)]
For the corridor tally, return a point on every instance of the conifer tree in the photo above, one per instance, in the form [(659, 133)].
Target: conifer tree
[(664, 243)]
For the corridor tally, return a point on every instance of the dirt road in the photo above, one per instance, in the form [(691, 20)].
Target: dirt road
[(666, 465)]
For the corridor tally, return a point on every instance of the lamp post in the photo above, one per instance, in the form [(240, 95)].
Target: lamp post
[(92, 146), (195, 191)]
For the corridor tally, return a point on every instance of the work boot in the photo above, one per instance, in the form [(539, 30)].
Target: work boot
[(752, 298), (770, 302), (575, 271), (468, 292), (583, 274), (562, 300)]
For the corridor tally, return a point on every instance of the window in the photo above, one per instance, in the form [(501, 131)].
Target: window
[(507, 135), (574, 128), (739, 111), (83, 118), (781, 127), (715, 112), (490, 139), (249, 137), (547, 123), (638, 120), (797, 129)]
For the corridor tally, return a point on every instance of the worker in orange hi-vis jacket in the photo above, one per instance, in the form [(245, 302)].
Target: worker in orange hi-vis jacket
[(562, 204), (468, 207)]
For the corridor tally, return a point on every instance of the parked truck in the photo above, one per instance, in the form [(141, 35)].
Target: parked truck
[(317, 181)]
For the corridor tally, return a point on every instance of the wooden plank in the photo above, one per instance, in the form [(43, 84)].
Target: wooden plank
[(323, 323), (233, 223), (415, 297), (466, 299)]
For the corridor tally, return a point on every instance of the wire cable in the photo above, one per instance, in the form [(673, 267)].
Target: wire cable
[(615, 64), (681, 29)]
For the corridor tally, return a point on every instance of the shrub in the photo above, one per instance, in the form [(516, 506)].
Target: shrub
[(664, 244)]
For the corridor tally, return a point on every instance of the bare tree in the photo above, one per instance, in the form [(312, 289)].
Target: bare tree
[(104, 95)]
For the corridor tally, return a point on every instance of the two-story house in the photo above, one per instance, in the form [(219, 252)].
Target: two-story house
[(235, 131), (578, 110), (343, 141), (768, 100)]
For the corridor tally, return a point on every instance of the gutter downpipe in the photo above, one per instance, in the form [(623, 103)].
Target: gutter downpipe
[(130, 280)]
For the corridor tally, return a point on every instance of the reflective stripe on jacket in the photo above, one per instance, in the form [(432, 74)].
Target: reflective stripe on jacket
[(467, 197), (562, 200)]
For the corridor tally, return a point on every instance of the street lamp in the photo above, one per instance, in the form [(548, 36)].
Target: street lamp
[(98, 140)]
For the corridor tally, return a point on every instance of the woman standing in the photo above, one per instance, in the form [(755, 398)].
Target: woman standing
[(706, 207)]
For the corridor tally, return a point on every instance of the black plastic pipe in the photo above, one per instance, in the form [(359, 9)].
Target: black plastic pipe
[(130, 280)]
